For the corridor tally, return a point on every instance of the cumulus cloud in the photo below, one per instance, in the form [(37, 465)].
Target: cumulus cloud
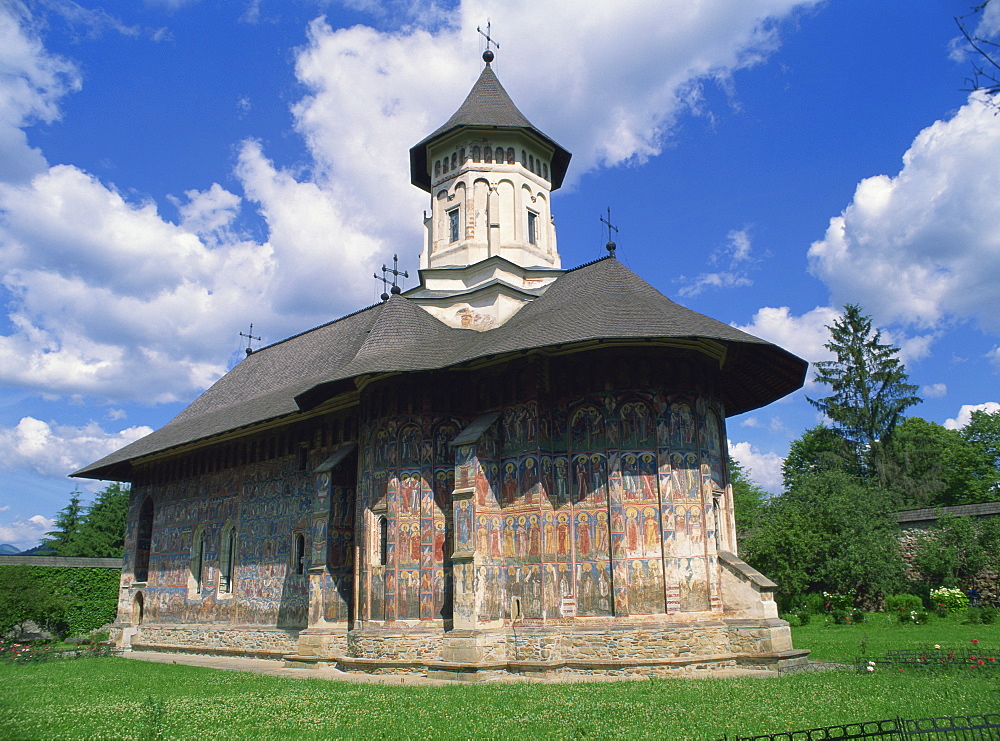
[(764, 467), (57, 450), (108, 298), (25, 533), (923, 246), (803, 335), (965, 414)]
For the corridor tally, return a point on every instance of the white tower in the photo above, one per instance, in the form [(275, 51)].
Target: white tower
[(490, 241)]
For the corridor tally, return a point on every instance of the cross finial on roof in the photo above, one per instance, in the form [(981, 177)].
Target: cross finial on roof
[(488, 54), (250, 338), (396, 273), (612, 229)]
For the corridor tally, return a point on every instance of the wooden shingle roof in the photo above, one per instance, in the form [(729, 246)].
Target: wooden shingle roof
[(603, 300)]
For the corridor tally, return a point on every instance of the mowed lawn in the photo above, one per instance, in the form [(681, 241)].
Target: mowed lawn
[(120, 698)]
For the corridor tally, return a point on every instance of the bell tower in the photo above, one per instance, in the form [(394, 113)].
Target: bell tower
[(490, 239)]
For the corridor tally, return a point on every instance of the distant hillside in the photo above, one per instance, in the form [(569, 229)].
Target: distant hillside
[(38, 550), (8, 550)]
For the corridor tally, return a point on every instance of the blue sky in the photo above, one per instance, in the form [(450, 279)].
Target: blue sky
[(172, 170)]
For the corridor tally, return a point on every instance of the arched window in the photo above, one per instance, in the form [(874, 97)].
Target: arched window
[(227, 559), (454, 160), (144, 540), (437, 168), (476, 153), (299, 552), (524, 157), (545, 170), (444, 165), (383, 541), (488, 155), (510, 155), (461, 154), (531, 162), (196, 563), (499, 155)]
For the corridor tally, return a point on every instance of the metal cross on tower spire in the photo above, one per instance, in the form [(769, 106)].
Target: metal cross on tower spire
[(250, 338), (488, 55), (612, 229), (396, 273)]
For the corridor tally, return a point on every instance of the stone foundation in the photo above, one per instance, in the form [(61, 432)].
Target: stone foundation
[(250, 641), (546, 650)]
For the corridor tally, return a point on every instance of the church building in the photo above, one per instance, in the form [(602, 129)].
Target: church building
[(512, 467)]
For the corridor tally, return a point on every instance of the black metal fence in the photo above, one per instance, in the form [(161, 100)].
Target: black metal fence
[(952, 728)]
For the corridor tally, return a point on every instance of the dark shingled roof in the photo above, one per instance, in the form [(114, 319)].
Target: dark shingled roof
[(603, 300), (487, 106)]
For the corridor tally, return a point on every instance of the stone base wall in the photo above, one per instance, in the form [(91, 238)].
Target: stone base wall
[(599, 649), (220, 639)]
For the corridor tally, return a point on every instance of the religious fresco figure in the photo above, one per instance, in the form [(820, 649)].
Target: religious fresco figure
[(496, 536), (508, 537), (630, 477), (601, 536), (561, 478), (562, 535), (529, 480), (648, 477), (583, 536), (547, 480), (549, 535), (598, 479), (509, 483), (581, 476), (534, 537), (651, 531), (632, 537)]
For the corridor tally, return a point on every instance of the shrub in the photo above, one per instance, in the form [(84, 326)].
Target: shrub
[(804, 617), (917, 617), (858, 616), (838, 602), (901, 602), (949, 598), (988, 615), (815, 603)]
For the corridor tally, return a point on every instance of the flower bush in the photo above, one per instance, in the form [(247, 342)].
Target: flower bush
[(949, 598), (28, 652)]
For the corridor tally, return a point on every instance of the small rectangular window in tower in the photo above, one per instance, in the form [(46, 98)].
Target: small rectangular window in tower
[(532, 227), (453, 225)]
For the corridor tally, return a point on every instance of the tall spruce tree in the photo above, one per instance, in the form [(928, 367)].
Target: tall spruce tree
[(869, 384), (62, 541)]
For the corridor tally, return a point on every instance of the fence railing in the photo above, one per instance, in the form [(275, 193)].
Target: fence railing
[(950, 728)]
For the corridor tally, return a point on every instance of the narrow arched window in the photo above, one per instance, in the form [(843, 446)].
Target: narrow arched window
[(524, 157), (437, 168), (383, 541), (499, 155), (461, 155), (227, 560), (545, 170), (196, 563), (444, 165), (488, 155), (300, 554), (531, 162), (454, 160), (510, 155), (476, 153), (144, 540)]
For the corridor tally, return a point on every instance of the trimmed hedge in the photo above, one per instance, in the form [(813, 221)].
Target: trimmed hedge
[(85, 598)]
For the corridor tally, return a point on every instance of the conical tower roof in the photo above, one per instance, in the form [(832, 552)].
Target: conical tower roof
[(487, 106)]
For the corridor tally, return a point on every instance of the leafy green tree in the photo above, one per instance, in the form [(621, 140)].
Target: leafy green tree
[(831, 532), (926, 465), (25, 598), (818, 449), (749, 499), (956, 551), (983, 434), (869, 385), (62, 541)]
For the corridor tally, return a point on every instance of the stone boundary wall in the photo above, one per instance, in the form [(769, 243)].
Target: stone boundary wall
[(922, 519), (62, 562), (216, 639)]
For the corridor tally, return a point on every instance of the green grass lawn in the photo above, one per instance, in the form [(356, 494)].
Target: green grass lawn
[(121, 698)]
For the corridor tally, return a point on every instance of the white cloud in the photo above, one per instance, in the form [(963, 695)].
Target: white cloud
[(31, 83), (935, 391), (109, 299), (965, 414), (994, 357), (25, 534), (803, 335), (58, 450), (924, 245), (750, 422), (764, 468), (737, 261)]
